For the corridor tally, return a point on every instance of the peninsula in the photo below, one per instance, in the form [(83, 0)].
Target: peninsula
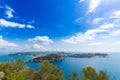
[(57, 56), (49, 57)]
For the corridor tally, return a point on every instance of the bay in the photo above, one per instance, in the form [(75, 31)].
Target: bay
[(110, 65)]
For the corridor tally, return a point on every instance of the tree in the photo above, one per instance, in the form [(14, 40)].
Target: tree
[(18, 65), (103, 76), (15, 76), (90, 73), (74, 76), (29, 74), (48, 71)]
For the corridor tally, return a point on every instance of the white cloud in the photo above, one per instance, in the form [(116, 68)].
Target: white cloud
[(78, 38), (95, 44), (115, 33), (80, 1), (9, 12), (70, 40), (112, 25), (115, 14), (94, 31), (93, 5), (107, 26), (6, 44), (97, 20), (41, 39), (30, 26), (83, 37), (5, 23), (37, 46)]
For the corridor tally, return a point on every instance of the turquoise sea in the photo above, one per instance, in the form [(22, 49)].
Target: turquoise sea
[(111, 64)]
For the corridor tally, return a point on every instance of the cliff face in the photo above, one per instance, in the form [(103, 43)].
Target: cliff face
[(49, 57)]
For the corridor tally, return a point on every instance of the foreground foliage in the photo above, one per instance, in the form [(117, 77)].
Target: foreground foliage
[(18, 71)]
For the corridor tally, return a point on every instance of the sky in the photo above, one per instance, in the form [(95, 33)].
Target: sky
[(60, 25)]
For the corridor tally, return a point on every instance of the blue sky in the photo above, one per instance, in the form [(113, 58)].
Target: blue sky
[(60, 25)]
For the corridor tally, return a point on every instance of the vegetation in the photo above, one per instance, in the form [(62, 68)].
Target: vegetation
[(74, 76), (18, 71), (89, 73)]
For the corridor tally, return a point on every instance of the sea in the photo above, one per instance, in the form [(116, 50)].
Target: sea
[(110, 65)]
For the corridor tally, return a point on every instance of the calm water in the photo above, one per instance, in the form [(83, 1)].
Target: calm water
[(111, 65)]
